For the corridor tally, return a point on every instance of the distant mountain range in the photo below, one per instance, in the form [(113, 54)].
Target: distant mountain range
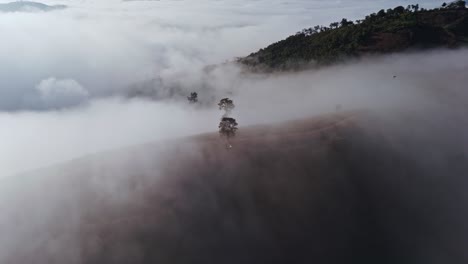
[(27, 6), (386, 31)]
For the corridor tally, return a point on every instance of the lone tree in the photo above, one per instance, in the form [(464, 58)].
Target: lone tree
[(228, 127), (193, 98), (226, 104)]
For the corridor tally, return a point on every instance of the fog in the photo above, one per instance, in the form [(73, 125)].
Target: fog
[(107, 75), (106, 46), (405, 169), (66, 73), (39, 139)]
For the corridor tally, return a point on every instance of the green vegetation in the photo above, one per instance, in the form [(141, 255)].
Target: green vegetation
[(386, 31)]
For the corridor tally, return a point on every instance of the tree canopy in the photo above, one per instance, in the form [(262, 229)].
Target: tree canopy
[(386, 31), (193, 98)]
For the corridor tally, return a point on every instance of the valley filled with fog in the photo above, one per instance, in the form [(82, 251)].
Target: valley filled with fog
[(99, 75), (104, 160)]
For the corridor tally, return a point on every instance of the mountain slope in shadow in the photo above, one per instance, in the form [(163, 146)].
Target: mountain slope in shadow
[(340, 188)]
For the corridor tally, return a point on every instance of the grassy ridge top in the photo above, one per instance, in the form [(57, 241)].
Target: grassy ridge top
[(386, 31)]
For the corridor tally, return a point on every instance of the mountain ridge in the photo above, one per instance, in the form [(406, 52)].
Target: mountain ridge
[(387, 31), (28, 6)]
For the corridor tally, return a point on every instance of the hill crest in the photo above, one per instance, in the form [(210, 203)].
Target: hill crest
[(387, 31)]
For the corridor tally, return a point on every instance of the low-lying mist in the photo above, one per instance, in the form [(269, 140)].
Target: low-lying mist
[(430, 83), (104, 85), (394, 188), (89, 50), (102, 75)]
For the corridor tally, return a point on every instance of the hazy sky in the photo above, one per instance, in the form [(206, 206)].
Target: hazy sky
[(63, 72)]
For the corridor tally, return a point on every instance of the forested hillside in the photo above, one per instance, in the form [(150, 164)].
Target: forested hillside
[(386, 31)]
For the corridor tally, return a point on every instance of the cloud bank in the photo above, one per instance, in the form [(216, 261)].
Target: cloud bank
[(37, 139), (109, 46), (105, 74), (61, 93), (108, 74)]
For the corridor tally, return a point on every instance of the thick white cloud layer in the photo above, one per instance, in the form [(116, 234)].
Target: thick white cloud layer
[(108, 45), (429, 82), (83, 80), (61, 93), (64, 72)]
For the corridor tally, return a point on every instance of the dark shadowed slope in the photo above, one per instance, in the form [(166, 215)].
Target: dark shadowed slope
[(342, 188)]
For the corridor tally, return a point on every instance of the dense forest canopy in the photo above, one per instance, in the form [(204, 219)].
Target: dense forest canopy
[(385, 31)]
